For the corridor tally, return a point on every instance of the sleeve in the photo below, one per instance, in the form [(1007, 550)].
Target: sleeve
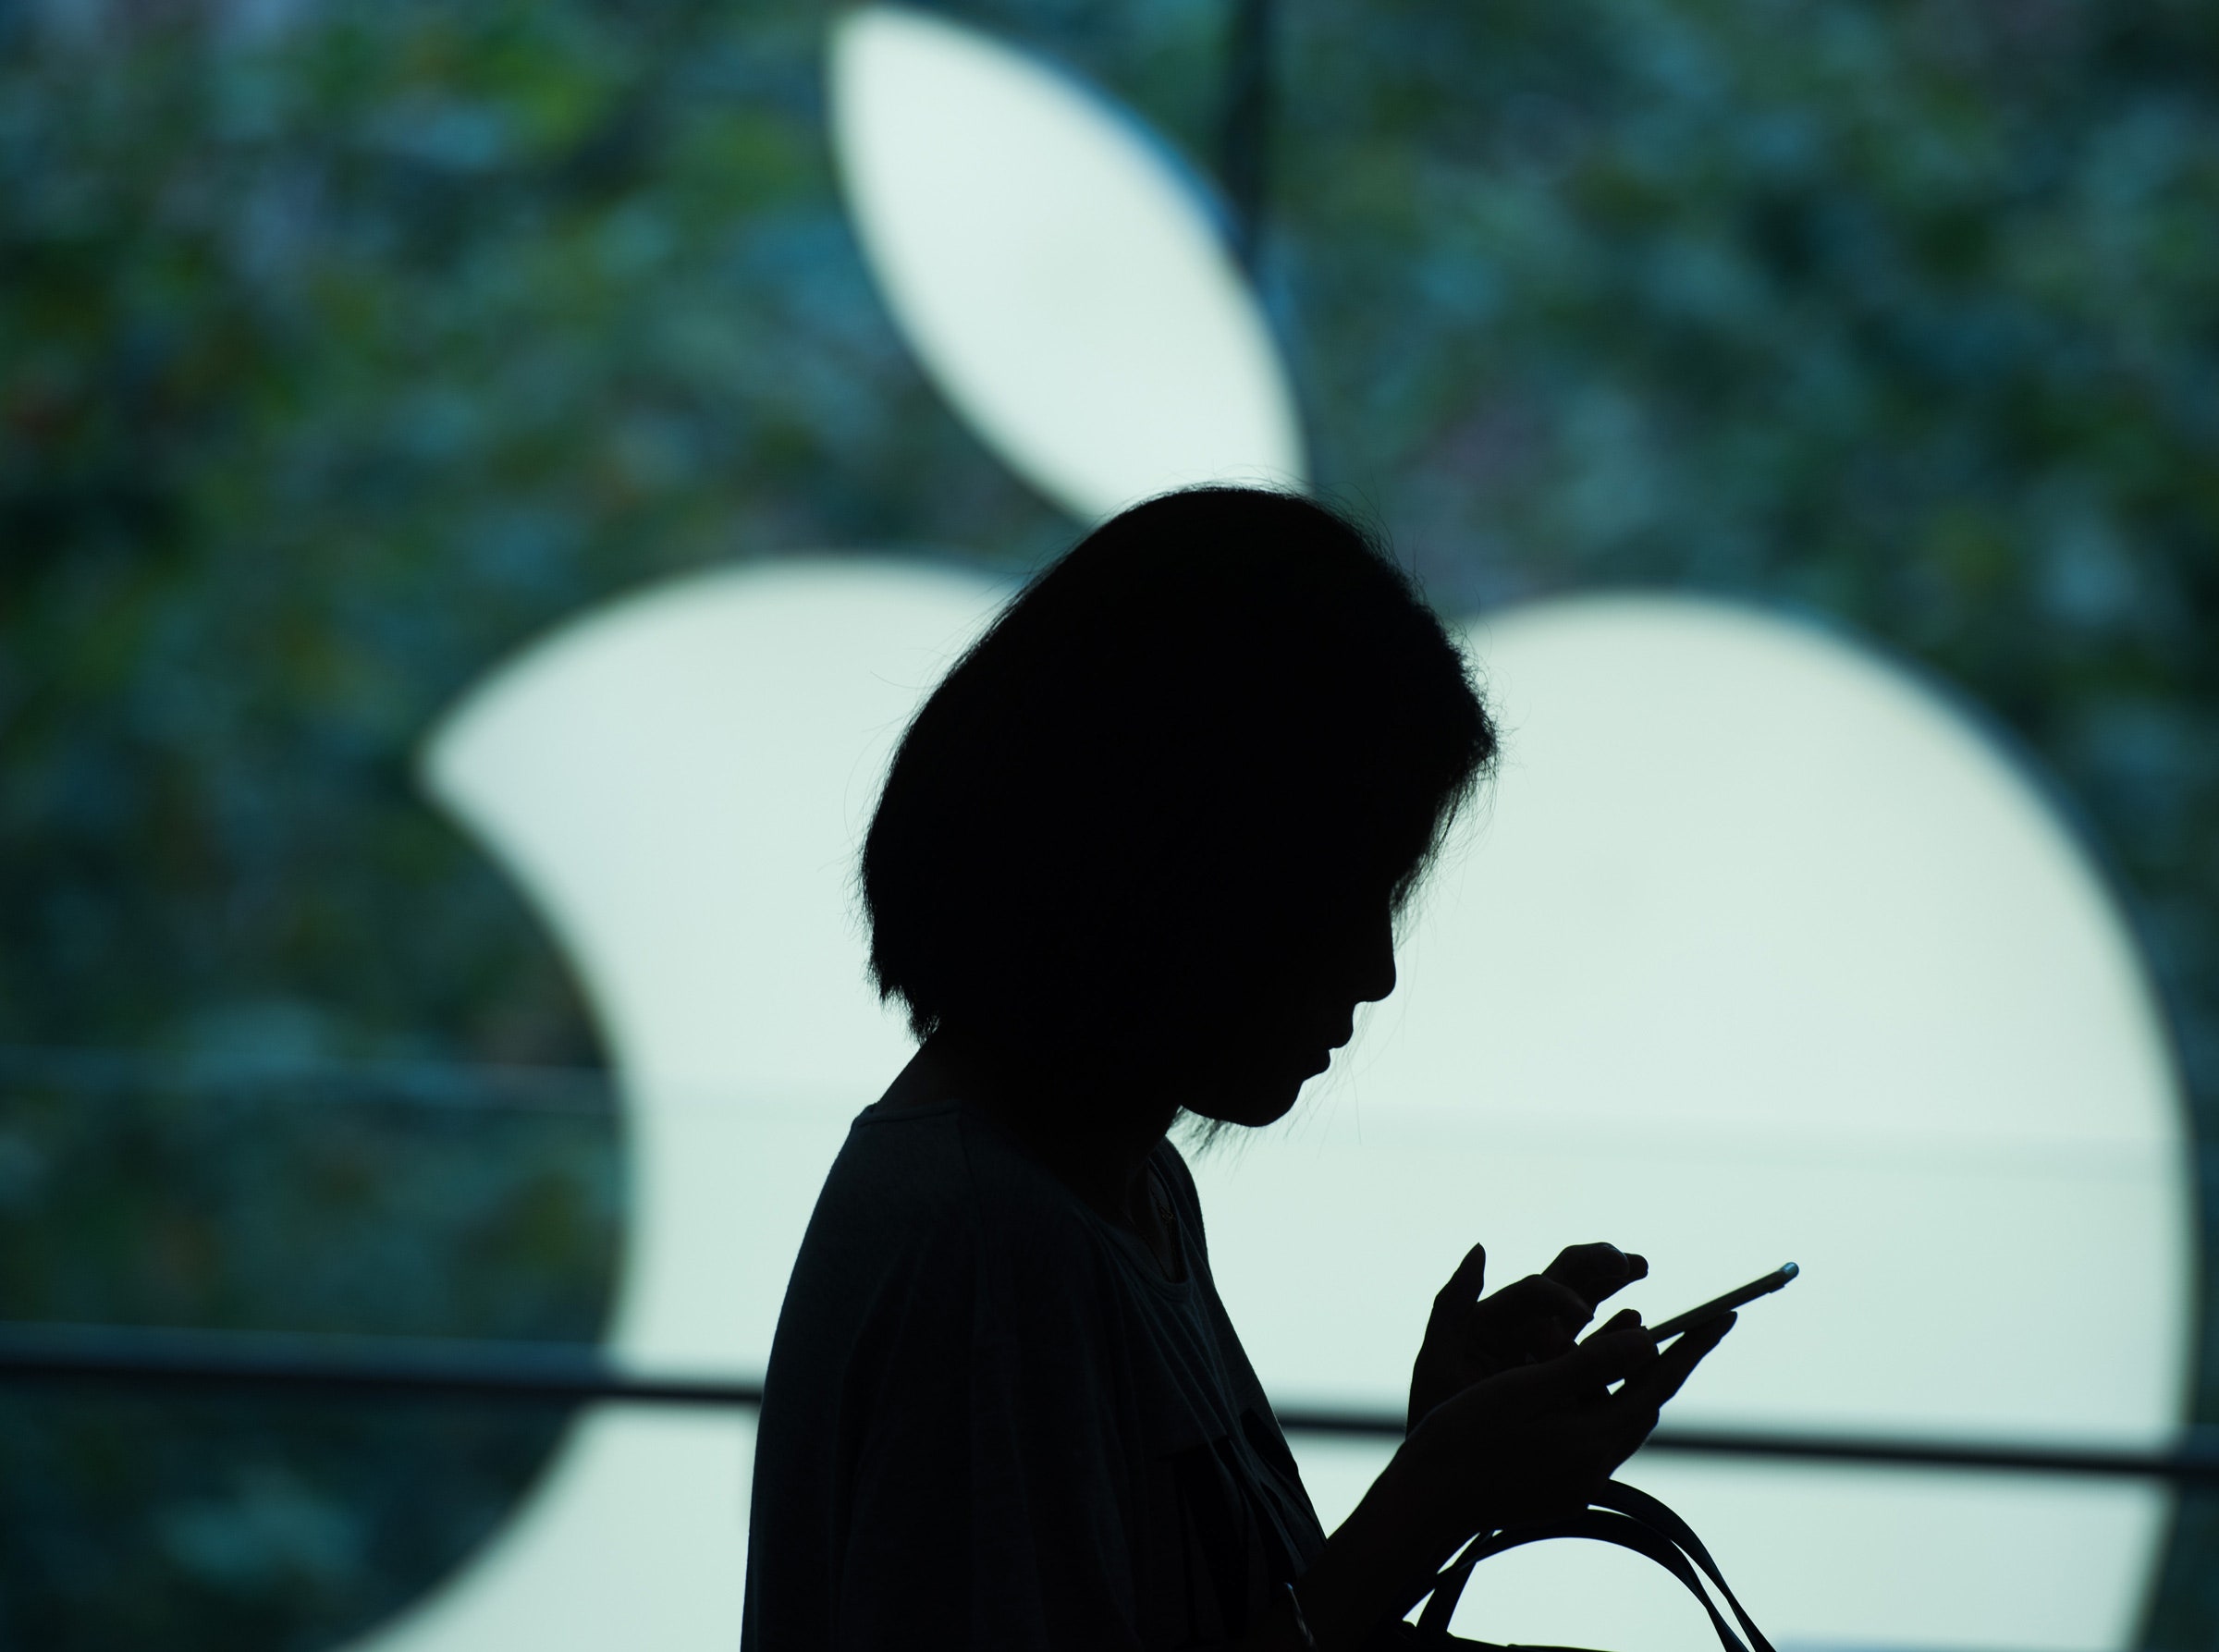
[(989, 1506)]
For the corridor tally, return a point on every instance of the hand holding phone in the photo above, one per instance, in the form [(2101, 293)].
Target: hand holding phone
[(1739, 1297)]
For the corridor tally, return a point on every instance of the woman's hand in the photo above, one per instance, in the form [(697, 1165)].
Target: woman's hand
[(1468, 1341), (1531, 1443), (1537, 1442)]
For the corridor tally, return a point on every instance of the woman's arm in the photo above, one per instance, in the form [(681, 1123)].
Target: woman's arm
[(1531, 1444)]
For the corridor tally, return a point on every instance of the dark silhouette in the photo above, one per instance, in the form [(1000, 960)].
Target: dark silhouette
[(1143, 851)]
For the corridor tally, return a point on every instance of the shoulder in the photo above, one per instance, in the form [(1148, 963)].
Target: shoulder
[(911, 1183), (904, 1164), (893, 1224), (933, 1245)]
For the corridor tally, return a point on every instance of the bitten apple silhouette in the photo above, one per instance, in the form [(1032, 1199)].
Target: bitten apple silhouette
[(1760, 947)]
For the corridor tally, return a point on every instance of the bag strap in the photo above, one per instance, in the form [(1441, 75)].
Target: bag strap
[(1651, 1511), (1622, 1515)]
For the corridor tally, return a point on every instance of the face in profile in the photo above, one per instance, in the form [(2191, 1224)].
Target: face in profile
[(1284, 1014)]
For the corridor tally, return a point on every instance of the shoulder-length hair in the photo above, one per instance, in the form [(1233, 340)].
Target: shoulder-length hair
[(1222, 713)]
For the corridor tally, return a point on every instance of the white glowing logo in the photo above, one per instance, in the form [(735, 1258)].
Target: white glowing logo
[(1054, 269), (1762, 950)]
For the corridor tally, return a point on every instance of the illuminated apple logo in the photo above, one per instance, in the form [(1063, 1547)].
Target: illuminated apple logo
[(1761, 949)]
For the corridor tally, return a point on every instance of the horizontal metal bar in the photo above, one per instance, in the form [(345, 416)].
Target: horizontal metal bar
[(491, 1089), (236, 1362), (532, 1379), (92, 1073), (2197, 1463)]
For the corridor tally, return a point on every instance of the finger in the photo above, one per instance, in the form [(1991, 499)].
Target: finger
[(1617, 1353), (1469, 1280), (1533, 1319), (1597, 1271), (1638, 1403), (1660, 1381)]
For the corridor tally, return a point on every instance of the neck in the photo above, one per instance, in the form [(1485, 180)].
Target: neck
[(1078, 1119)]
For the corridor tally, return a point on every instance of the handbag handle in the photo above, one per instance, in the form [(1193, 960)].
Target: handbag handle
[(1620, 1515)]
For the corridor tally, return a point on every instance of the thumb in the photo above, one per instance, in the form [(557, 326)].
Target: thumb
[(1469, 1280)]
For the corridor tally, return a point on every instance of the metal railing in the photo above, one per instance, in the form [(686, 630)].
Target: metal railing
[(373, 1369)]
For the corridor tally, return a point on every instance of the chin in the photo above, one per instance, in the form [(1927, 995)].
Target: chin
[(1255, 1105)]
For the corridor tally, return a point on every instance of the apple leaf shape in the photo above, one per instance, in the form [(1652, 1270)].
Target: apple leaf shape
[(1058, 275)]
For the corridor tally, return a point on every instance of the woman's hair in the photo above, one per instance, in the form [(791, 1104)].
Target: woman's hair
[(1222, 711)]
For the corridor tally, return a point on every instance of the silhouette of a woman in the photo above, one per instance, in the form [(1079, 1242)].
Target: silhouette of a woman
[(1142, 852)]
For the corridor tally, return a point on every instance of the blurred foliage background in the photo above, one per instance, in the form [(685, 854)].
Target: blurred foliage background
[(345, 348)]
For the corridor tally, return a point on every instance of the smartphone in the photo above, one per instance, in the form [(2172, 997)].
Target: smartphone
[(1726, 1304)]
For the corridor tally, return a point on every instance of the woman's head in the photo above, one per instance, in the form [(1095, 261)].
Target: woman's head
[(1159, 818)]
